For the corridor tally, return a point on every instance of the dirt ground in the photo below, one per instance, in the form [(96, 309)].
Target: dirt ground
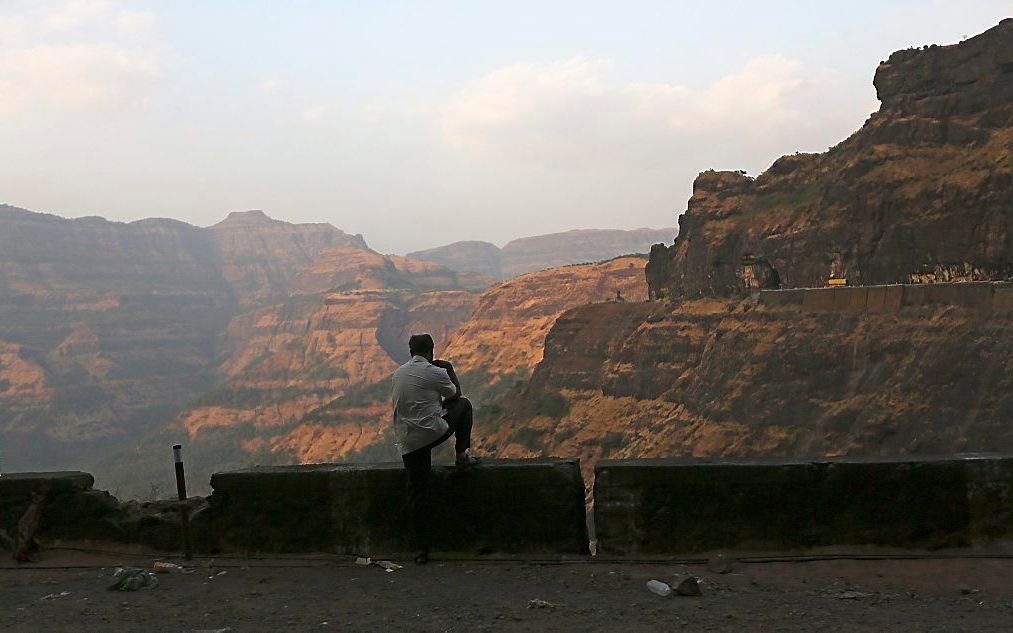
[(67, 592)]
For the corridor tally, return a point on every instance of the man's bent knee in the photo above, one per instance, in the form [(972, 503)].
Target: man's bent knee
[(461, 406)]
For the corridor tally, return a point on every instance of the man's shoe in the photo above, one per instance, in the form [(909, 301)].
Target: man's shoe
[(467, 461), (421, 557)]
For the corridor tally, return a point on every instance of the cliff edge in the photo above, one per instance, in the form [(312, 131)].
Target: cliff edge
[(921, 193)]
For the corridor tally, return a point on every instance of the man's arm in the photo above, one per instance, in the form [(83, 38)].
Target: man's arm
[(445, 365)]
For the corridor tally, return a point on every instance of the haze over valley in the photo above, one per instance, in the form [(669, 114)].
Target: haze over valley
[(256, 339)]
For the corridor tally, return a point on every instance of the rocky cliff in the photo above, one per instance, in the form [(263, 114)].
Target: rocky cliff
[(310, 376), (506, 333), (716, 378), (922, 192), (258, 256), (109, 330), (104, 327), (540, 252)]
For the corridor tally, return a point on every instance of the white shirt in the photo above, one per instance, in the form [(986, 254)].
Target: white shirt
[(415, 395)]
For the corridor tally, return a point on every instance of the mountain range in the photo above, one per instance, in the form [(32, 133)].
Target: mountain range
[(112, 332), (528, 254), (258, 341)]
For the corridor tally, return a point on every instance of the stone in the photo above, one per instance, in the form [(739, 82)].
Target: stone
[(24, 484), (683, 585)]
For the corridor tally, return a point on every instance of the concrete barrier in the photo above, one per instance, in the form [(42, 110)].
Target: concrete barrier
[(1003, 297), (531, 506), (662, 507), (894, 298), (979, 295)]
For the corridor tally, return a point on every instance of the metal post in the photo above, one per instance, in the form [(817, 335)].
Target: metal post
[(184, 511)]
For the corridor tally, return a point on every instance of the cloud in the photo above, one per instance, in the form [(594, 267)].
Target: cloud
[(313, 112), (98, 58), (71, 76), (75, 12), (569, 114), (135, 23), (271, 87), (13, 29)]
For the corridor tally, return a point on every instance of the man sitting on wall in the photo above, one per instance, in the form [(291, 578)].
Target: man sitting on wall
[(428, 409)]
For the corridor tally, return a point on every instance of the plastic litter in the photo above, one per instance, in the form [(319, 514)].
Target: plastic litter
[(538, 603), (54, 596), (385, 565), (659, 588), (164, 567)]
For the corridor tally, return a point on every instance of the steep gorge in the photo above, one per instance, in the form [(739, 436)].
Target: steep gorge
[(291, 397), (109, 330)]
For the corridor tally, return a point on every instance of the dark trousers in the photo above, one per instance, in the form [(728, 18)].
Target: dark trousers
[(418, 465)]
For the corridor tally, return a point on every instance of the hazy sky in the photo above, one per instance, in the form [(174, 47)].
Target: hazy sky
[(420, 123)]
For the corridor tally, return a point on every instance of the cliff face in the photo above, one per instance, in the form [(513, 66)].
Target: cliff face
[(258, 255), (109, 330), (288, 359), (506, 333), (105, 328), (310, 377), (921, 193), (541, 252), (343, 328), (712, 378)]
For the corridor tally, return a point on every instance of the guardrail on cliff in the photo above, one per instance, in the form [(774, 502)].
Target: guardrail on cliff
[(536, 507), (651, 507), (977, 295)]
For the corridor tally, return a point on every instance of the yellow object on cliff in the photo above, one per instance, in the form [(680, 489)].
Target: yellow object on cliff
[(837, 282)]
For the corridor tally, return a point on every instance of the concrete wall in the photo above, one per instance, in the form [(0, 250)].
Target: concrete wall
[(530, 505), (661, 507), (533, 506), (641, 507), (983, 295)]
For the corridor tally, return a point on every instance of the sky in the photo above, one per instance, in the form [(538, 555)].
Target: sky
[(422, 123)]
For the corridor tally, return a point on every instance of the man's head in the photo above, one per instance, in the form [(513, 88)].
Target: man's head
[(421, 345)]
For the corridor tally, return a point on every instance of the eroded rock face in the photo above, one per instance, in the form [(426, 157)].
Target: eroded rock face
[(921, 193), (343, 327), (506, 333), (109, 330), (105, 327), (259, 256), (719, 378)]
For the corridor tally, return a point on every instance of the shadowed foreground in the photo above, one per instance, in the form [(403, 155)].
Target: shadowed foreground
[(304, 594)]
